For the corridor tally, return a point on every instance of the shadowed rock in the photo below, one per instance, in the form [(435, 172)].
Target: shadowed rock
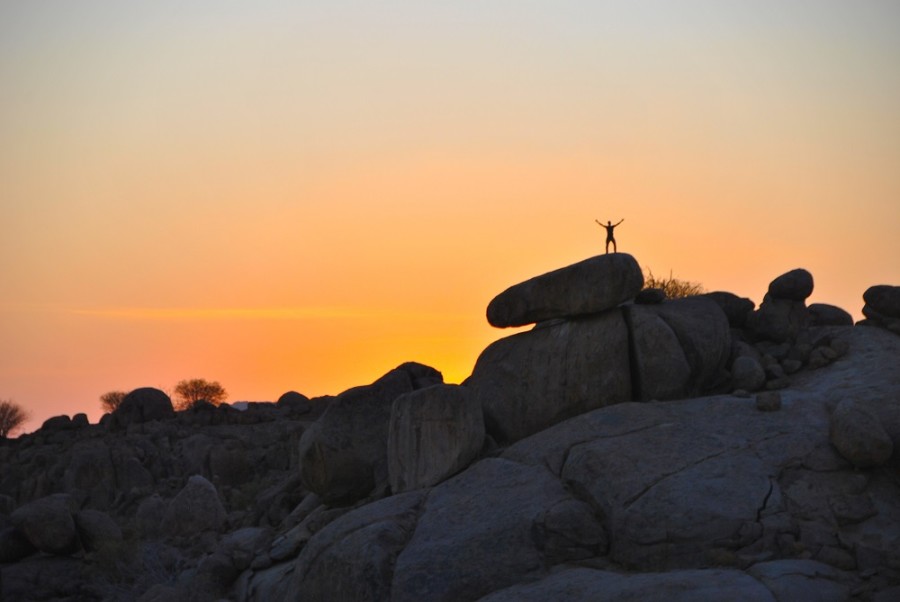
[(143, 405), (701, 331), (48, 524), (434, 433), (736, 309), (859, 436), (884, 299), (343, 455), (583, 288), (822, 314), (196, 508), (531, 380)]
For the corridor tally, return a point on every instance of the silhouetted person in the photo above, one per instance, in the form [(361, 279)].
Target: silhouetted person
[(609, 233)]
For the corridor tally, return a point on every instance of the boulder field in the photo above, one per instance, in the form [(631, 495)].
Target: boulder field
[(627, 447)]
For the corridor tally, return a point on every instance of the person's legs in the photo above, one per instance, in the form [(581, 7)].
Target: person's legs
[(615, 249)]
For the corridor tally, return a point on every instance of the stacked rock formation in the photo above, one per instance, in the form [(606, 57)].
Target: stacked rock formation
[(551, 473), (592, 348), (783, 336), (882, 307)]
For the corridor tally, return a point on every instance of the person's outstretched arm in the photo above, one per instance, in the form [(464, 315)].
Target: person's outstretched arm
[(620, 221), (599, 222)]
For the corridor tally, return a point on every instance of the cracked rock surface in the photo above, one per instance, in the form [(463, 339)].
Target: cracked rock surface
[(697, 499)]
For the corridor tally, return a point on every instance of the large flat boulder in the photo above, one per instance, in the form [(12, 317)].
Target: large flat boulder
[(531, 380), (434, 433), (587, 287)]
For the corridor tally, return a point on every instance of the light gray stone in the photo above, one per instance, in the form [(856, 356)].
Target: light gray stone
[(590, 286), (434, 433)]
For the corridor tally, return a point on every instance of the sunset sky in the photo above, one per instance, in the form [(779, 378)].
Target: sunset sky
[(303, 195)]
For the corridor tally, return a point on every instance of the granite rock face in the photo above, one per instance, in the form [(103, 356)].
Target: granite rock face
[(533, 379), (598, 456), (434, 433), (343, 455), (588, 287)]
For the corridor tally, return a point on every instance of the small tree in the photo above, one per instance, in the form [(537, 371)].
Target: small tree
[(673, 287), (189, 392), (11, 417), (111, 401)]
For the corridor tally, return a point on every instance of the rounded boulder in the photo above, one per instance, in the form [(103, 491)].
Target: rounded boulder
[(143, 405), (795, 285)]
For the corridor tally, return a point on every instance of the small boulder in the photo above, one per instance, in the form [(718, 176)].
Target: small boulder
[(296, 403), (859, 436), (822, 314), (14, 546), (58, 423), (587, 287), (768, 401), (149, 515), (779, 320), (196, 508), (795, 285), (48, 524), (96, 529), (884, 299), (434, 433), (736, 308), (747, 374), (143, 405)]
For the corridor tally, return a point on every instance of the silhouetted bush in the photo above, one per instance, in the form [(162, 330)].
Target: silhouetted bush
[(673, 287), (189, 392), (111, 400), (11, 417)]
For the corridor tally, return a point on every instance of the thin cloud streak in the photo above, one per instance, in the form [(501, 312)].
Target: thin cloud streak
[(255, 313)]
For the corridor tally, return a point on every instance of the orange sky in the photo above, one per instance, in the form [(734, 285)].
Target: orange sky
[(282, 197)]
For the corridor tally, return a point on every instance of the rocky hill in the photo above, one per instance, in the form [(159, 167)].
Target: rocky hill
[(628, 447)]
